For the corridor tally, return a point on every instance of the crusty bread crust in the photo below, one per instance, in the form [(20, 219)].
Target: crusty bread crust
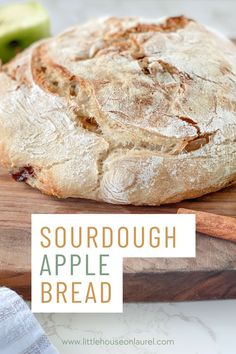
[(122, 111)]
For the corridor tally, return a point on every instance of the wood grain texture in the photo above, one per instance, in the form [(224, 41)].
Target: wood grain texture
[(212, 275)]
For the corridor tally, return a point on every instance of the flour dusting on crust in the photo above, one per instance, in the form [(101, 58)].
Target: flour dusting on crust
[(123, 110)]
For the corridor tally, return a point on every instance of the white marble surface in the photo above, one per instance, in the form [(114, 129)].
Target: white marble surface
[(196, 328)]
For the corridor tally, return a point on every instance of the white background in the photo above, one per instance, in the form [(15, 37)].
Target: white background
[(220, 14), (199, 328)]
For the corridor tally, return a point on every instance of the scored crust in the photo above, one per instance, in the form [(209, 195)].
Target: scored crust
[(122, 110)]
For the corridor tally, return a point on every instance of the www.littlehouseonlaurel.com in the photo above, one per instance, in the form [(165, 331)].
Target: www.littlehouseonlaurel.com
[(119, 342)]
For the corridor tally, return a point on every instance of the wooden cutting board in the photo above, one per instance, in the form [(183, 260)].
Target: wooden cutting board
[(212, 275)]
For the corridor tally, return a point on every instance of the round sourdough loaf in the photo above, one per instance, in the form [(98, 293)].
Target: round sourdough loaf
[(123, 111)]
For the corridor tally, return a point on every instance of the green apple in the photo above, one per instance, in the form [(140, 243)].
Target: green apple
[(20, 25)]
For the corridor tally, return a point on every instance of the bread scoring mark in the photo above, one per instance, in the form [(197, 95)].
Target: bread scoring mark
[(46, 73), (191, 122), (144, 65), (173, 70), (123, 40), (181, 78), (24, 174), (171, 24), (89, 123), (198, 142), (58, 80)]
